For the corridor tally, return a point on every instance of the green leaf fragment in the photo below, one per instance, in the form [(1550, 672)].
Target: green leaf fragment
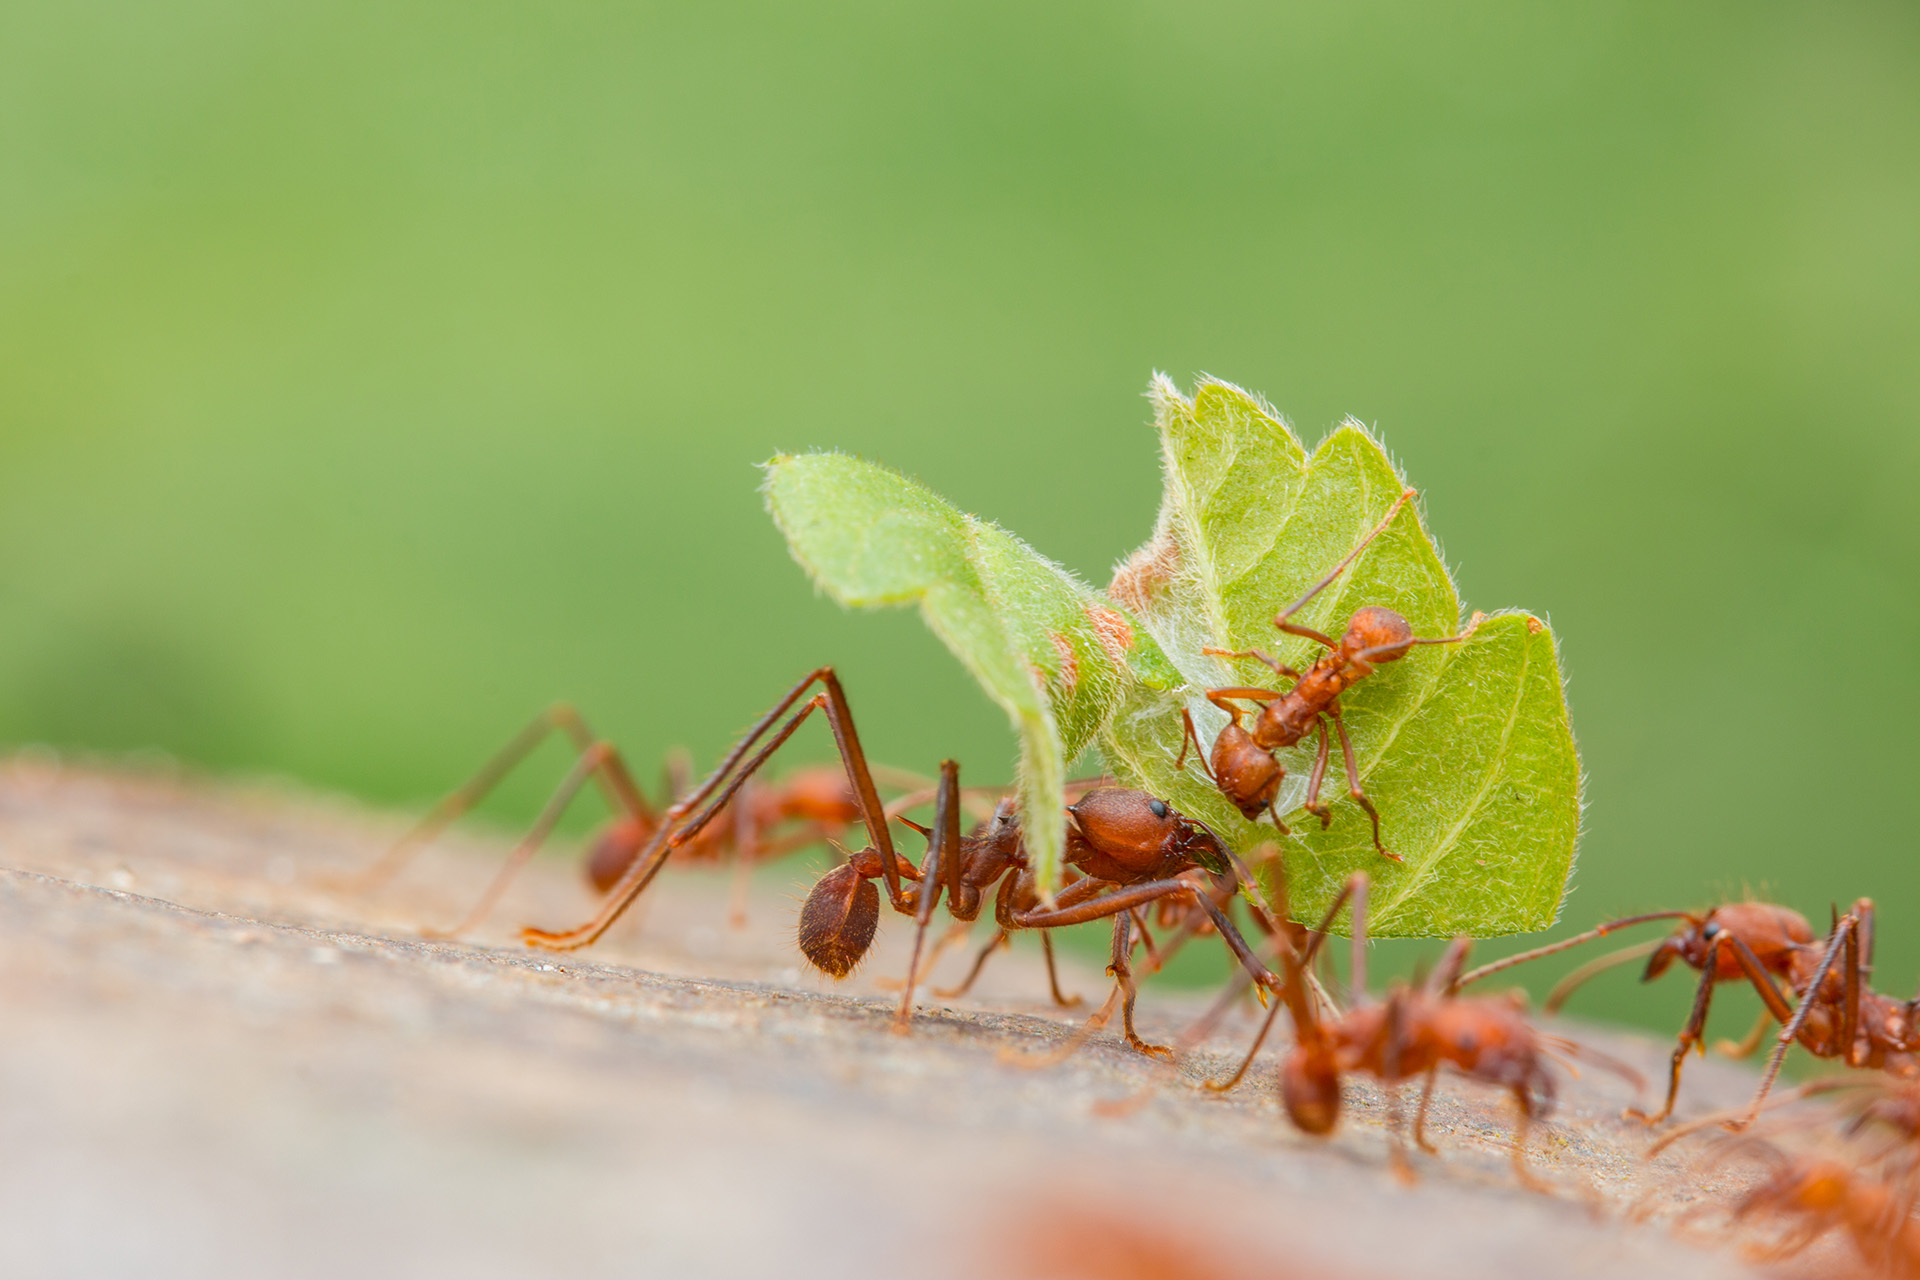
[(1465, 748)]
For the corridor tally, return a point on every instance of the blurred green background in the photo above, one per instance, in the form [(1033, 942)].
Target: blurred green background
[(371, 375)]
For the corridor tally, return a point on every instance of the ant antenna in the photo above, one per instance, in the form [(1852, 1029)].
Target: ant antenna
[(1352, 555)]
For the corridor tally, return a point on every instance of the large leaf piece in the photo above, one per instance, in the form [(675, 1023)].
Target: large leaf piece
[(1049, 649), (1465, 748)]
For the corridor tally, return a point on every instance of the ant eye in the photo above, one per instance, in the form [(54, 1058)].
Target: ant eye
[(1159, 808)]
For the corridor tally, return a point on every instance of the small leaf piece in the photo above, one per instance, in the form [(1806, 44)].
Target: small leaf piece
[(1465, 749), (1055, 655)]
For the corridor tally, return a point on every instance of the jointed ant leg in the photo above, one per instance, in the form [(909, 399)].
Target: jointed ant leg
[(1390, 1075), (1190, 736), (1691, 1032), (999, 939), (591, 763), (1522, 1130), (621, 793), (1280, 620), (1353, 779), (1420, 1116), (676, 828), (1279, 668), (940, 871), (1053, 977), (1313, 804), (1843, 934), (1749, 1044), (746, 852), (1122, 972)]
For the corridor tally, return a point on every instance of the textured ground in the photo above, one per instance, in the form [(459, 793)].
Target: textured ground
[(217, 1062)]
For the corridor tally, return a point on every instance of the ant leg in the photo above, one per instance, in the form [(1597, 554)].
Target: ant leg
[(1253, 1051), (999, 939), (1279, 668), (1119, 904), (621, 794), (1863, 912), (1749, 1044), (1191, 735), (676, 828), (1313, 804), (1122, 972), (1522, 1130), (1252, 693), (1390, 1077), (746, 852), (1154, 963), (1690, 1033), (1843, 934), (941, 870), (1357, 940), (590, 764), (1353, 780), (1420, 1116), (1445, 978), (1850, 1004), (1280, 620), (1493, 967), (1053, 977)]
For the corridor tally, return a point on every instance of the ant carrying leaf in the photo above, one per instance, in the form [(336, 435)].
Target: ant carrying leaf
[(1465, 750)]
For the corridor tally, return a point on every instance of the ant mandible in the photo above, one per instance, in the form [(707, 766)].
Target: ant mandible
[(1242, 764)]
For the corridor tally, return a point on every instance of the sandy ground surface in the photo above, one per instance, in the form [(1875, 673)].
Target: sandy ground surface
[(219, 1062)]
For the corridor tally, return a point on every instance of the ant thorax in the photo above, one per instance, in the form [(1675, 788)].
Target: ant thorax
[(1287, 720)]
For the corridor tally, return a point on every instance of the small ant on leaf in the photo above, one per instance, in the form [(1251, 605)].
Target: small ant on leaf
[(1242, 764)]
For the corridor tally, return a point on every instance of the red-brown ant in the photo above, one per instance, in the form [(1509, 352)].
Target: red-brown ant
[(1409, 1035), (1242, 763), (1819, 1194), (808, 806), (1838, 1016), (1131, 848)]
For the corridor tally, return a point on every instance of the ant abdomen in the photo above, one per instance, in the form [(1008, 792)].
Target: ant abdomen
[(838, 920), (1311, 1092), (1382, 633), (1247, 772)]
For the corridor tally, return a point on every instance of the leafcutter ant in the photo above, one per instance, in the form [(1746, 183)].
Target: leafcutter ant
[(1242, 763), (1409, 1035), (1816, 1194), (1130, 848), (767, 820), (1838, 1016)]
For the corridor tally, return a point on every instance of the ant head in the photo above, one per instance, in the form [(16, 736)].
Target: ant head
[(1379, 629), (839, 917), (1126, 824), (1310, 1087), (1140, 832)]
